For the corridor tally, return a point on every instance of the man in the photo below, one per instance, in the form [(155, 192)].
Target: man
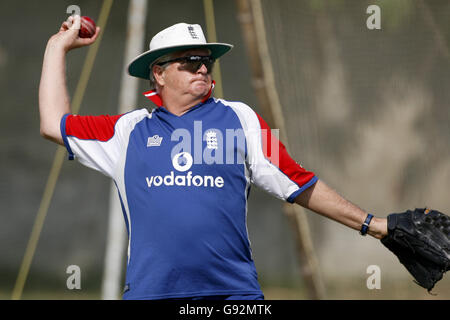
[(183, 171)]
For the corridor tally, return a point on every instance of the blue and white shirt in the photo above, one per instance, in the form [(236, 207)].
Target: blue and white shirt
[(183, 183)]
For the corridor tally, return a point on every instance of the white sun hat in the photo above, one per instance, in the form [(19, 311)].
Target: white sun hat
[(181, 36)]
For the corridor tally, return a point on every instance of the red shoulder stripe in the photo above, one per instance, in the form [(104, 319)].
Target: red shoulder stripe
[(91, 127), (275, 151)]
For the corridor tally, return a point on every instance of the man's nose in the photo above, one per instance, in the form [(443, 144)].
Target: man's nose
[(203, 69)]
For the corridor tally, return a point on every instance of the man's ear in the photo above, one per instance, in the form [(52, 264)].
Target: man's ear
[(158, 72)]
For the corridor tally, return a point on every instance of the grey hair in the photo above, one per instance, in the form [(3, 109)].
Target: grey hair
[(165, 57)]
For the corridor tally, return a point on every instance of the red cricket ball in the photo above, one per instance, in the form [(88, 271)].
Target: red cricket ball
[(87, 27)]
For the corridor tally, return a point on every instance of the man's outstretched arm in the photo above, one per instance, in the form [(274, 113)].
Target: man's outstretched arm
[(323, 200), (54, 100)]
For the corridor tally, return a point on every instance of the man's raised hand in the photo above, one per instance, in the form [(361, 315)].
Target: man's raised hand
[(68, 36)]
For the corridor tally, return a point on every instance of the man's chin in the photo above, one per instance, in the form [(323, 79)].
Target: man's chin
[(200, 88)]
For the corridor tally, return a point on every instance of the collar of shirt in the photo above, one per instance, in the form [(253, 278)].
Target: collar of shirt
[(153, 96)]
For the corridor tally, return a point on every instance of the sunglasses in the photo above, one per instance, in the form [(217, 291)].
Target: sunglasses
[(192, 63)]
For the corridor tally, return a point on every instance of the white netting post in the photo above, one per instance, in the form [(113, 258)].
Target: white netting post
[(117, 238)]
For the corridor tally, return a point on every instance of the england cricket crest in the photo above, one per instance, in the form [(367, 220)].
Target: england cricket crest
[(211, 140)]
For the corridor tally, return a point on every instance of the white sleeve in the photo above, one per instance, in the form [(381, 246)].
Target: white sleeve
[(98, 142), (270, 166)]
